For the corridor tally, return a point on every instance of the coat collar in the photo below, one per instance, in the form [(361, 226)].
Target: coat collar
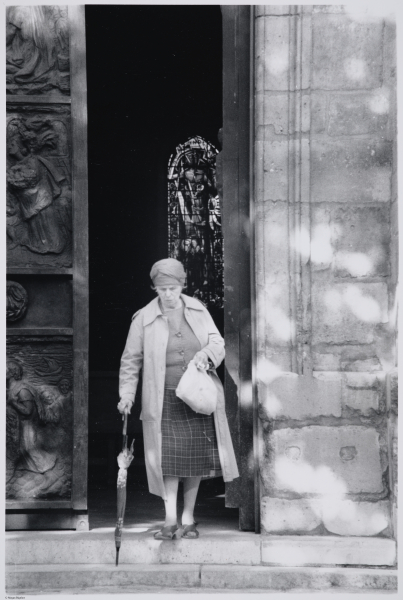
[(152, 310)]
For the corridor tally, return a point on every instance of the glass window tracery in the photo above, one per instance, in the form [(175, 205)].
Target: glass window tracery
[(194, 214)]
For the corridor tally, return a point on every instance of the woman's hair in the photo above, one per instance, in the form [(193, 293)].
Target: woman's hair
[(154, 288), (168, 271)]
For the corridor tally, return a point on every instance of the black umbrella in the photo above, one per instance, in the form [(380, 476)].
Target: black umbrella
[(124, 460)]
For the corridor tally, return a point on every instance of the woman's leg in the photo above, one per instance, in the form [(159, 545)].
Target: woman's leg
[(171, 488), (190, 489)]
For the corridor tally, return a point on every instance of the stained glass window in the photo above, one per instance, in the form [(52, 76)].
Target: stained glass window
[(194, 230)]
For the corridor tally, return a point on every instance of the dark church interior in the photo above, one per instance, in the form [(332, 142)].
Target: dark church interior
[(154, 78)]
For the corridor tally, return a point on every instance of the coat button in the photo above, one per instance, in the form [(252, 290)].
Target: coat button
[(183, 368), (181, 352), (179, 334)]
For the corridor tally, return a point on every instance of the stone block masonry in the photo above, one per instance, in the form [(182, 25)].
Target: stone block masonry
[(347, 52), (326, 256), (351, 170), (324, 460)]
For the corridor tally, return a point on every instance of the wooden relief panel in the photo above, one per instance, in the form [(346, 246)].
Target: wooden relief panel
[(16, 301), (33, 302), (39, 420), (37, 50), (39, 185), (47, 267)]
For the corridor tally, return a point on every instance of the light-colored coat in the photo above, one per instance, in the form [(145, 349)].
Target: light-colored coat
[(146, 349)]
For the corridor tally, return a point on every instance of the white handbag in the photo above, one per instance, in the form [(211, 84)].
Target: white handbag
[(198, 390)]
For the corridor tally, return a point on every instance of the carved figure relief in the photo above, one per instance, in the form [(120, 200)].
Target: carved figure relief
[(195, 234), (38, 187), (39, 422), (17, 301), (37, 50)]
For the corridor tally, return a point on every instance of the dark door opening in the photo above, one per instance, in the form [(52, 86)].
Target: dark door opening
[(154, 78)]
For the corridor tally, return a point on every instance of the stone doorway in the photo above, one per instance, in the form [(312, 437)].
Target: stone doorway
[(144, 98)]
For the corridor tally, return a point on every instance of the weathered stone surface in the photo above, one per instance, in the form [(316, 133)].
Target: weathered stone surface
[(347, 53), (276, 156), (272, 169), (347, 312), (350, 170), (279, 515), (363, 392), (318, 112), (340, 516), (272, 114), (272, 273), (394, 246), (324, 460), (393, 390), (210, 578), (272, 53), (370, 365), (361, 240), (357, 518), (279, 358), (283, 579), (295, 396), (94, 547), (325, 361), (389, 53), (259, 170), (364, 380), (321, 237), (355, 240), (361, 113), (392, 406), (272, 9), (329, 550), (347, 357), (328, 8), (45, 577)]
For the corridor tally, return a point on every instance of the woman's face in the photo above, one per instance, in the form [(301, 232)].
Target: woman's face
[(169, 295)]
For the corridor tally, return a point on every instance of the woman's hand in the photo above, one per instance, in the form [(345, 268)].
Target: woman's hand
[(124, 406), (201, 360)]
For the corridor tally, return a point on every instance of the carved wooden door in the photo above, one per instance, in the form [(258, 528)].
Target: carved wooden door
[(234, 172), (47, 264)]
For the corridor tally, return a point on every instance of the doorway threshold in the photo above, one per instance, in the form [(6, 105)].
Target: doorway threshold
[(145, 511)]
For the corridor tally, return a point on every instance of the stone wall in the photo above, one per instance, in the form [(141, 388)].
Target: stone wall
[(326, 272)]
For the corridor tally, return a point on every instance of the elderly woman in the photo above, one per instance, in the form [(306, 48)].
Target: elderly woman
[(179, 444)]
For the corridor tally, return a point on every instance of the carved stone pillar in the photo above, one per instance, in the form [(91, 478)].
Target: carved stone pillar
[(47, 318)]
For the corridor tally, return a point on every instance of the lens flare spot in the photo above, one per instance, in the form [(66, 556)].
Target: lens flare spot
[(379, 103), (321, 248), (363, 307), (355, 69), (277, 62), (357, 264)]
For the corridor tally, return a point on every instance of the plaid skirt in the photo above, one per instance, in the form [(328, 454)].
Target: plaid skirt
[(189, 441)]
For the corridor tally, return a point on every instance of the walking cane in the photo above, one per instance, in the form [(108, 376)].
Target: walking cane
[(124, 460)]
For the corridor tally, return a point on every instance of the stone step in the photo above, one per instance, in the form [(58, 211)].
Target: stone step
[(215, 546), (95, 547), (25, 579)]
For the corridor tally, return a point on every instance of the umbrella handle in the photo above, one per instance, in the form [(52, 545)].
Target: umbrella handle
[(124, 445)]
